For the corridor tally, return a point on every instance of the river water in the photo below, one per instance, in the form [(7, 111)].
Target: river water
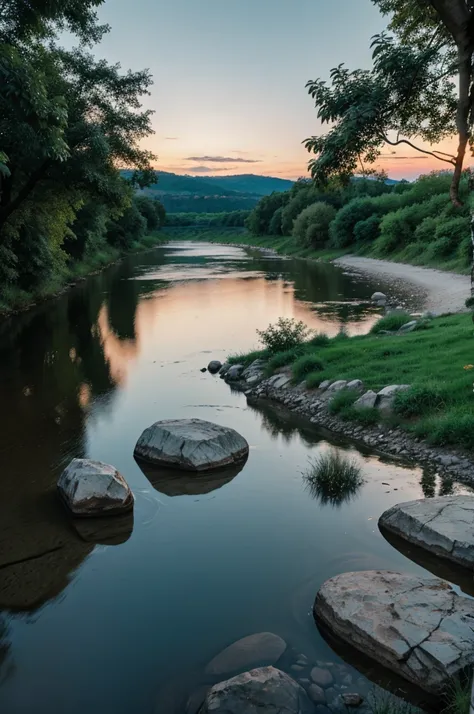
[(122, 617)]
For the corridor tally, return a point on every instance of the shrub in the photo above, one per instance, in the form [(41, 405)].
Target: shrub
[(284, 335), (342, 228), (418, 400), (333, 478), (275, 223), (305, 365), (367, 231), (342, 400), (311, 226), (391, 322)]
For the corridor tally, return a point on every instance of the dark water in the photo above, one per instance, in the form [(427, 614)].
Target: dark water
[(123, 617)]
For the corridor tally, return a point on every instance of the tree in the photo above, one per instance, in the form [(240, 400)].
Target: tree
[(409, 95)]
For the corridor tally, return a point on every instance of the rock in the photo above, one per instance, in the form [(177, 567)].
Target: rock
[(443, 525), (408, 327), (356, 384), (224, 369), (323, 677), (352, 699), (386, 396), (261, 648), (320, 709), (234, 372), (214, 366), (337, 386), (261, 691), (417, 627), (196, 699), (203, 369), (379, 297), (297, 668), (282, 381), (191, 445), (316, 694), (92, 488), (254, 380), (366, 400), (324, 385)]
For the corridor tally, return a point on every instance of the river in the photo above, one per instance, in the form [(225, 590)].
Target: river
[(123, 618)]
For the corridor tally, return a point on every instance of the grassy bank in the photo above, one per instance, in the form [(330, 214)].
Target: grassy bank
[(437, 361), (12, 299)]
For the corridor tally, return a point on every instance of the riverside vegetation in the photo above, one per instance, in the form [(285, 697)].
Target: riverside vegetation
[(68, 122), (435, 359)]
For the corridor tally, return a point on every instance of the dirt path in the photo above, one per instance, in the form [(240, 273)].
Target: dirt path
[(441, 291)]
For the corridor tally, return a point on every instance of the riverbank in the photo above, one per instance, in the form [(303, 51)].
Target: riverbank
[(14, 300), (432, 360), (436, 289)]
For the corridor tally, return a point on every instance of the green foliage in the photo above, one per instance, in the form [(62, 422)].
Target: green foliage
[(311, 227), (247, 358), (319, 340), (458, 697), (274, 227), (260, 218), (383, 702), (282, 359), (305, 365), (231, 219), (332, 478), (286, 334), (367, 416), (368, 230), (391, 322), (342, 400), (420, 399), (454, 426)]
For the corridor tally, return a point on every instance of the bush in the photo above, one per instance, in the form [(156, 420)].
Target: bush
[(391, 322), (419, 400), (305, 365), (284, 335), (333, 478), (311, 226), (275, 223), (319, 340), (343, 399), (367, 231), (342, 228)]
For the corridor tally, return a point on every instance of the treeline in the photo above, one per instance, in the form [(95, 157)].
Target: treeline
[(233, 219), (68, 122), (416, 221), (184, 203)]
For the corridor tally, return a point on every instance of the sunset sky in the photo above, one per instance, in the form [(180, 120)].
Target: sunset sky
[(229, 78)]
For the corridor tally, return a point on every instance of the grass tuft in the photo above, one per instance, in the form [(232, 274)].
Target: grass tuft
[(391, 322), (458, 697), (342, 400), (306, 365), (420, 399), (332, 478), (282, 359)]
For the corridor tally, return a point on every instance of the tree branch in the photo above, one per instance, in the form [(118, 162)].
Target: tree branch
[(451, 160)]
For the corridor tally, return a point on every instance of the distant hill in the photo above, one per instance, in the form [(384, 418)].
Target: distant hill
[(212, 194)]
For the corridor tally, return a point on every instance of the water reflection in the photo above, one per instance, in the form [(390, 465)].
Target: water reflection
[(182, 483), (433, 484)]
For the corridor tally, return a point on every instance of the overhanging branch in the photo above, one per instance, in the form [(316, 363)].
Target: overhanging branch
[(451, 160)]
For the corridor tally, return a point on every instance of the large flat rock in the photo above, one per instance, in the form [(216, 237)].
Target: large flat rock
[(417, 627), (444, 526), (260, 648), (261, 691), (191, 445)]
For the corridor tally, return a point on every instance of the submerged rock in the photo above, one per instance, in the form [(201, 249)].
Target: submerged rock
[(443, 525), (261, 691), (417, 627), (322, 677), (214, 366), (92, 488), (191, 445), (260, 648)]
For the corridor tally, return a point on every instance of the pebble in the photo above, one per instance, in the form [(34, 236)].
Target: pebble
[(352, 699), (317, 694), (296, 668), (322, 677)]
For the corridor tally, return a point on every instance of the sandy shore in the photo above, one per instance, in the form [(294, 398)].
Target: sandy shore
[(440, 291)]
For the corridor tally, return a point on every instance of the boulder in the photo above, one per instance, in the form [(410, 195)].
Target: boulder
[(261, 691), (444, 526), (379, 297), (324, 385), (415, 626), (408, 327), (356, 384), (214, 366), (260, 648), (386, 396), (191, 445), (367, 400), (337, 386), (282, 382), (92, 488), (224, 369), (234, 373)]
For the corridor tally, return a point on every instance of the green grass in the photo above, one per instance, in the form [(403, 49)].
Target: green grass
[(282, 359), (247, 358), (332, 478), (386, 703), (458, 697), (342, 400), (391, 322), (305, 365)]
